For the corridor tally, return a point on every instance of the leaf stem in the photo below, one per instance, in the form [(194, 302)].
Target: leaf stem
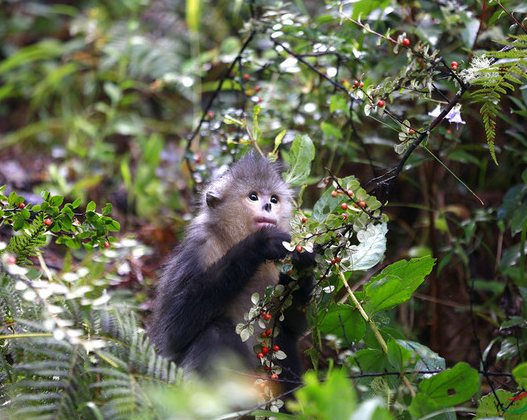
[(373, 327)]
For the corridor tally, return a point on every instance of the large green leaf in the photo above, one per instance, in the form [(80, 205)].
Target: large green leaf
[(396, 283), (451, 387)]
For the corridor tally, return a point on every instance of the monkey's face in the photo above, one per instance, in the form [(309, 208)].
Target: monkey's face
[(238, 212), (265, 209)]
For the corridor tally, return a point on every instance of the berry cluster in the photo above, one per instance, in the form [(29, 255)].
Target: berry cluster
[(268, 350)]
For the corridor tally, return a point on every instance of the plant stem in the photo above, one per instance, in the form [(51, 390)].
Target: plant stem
[(373, 327)]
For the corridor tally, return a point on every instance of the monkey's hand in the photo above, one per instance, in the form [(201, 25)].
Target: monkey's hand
[(269, 243), (303, 260)]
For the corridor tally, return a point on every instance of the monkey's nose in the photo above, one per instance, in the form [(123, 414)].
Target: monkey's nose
[(267, 207)]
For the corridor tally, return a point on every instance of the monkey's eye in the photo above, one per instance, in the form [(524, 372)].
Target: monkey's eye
[(274, 199), (253, 196)]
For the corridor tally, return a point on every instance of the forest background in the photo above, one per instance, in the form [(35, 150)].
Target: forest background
[(402, 125)]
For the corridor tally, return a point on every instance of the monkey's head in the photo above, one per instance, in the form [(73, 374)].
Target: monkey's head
[(249, 196)]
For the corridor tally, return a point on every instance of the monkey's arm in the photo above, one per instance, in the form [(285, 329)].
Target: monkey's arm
[(199, 295), (294, 315)]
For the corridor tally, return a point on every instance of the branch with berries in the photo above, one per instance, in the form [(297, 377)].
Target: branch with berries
[(52, 218)]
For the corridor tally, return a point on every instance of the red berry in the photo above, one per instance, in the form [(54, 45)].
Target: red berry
[(21, 206), (334, 193), (264, 334), (454, 64), (260, 355), (299, 248), (338, 259), (362, 203), (267, 317), (210, 114), (267, 367), (246, 76), (48, 222), (381, 103), (265, 350), (304, 219), (274, 376), (344, 206), (11, 260), (268, 332), (350, 193), (406, 42), (356, 83), (257, 89), (344, 216), (107, 244), (411, 131), (276, 348), (197, 157), (333, 260), (361, 84)]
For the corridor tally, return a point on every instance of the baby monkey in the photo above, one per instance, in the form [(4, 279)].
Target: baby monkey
[(227, 255)]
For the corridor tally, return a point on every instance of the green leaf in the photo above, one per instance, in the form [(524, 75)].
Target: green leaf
[(422, 405), (91, 206), (114, 93), (107, 209), (488, 406), (519, 219), (332, 399), (427, 359), (343, 321), (372, 360), (56, 200), (398, 356), (451, 387), (113, 226), (256, 128), (520, 374), (396, 283), (278, 140), (44, 50), (299, 159), (11, 200), (76, 203), (18, 223), (339, 102), (330, 131)]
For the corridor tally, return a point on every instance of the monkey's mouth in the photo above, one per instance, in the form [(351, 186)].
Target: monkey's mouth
[(262, 222)]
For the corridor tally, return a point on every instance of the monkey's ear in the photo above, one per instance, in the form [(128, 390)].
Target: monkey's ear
[(213, 198)]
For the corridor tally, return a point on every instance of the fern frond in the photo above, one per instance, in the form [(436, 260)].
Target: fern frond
[(495, 80), (28, 244), (46, 378)]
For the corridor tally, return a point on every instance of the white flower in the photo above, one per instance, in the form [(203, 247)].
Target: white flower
[(435, 112), (454, 116)]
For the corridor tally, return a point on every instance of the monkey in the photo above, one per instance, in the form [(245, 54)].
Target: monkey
[(228, 254)]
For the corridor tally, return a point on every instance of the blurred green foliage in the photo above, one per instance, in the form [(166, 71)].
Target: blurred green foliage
[(137, 103)]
